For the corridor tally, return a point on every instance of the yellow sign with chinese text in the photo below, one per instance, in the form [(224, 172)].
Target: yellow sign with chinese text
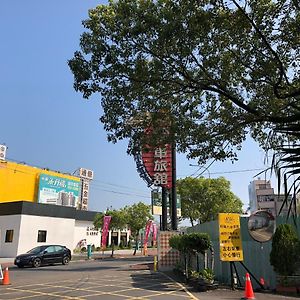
[(231, 248)]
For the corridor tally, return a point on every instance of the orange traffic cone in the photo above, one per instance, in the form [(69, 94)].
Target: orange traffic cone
[(5, 280), (248, 288)]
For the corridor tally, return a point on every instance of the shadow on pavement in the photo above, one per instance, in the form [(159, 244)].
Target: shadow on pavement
[(60, 268)]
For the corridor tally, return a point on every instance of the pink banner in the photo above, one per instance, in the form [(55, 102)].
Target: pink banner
[(106, 221), (147, 231), (154, 230)]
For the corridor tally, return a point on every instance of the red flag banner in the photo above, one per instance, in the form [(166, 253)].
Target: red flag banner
[(147, 231), (154, 230), (106, 221)]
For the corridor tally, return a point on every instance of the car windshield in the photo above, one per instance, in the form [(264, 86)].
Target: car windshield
[(35, 250)]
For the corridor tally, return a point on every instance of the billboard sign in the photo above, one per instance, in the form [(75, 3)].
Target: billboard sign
[(59, 191), (158, 164), (230, 237), (156, 199), (86, 174)]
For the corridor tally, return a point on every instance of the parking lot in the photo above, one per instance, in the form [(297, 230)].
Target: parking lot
[(121, 278)]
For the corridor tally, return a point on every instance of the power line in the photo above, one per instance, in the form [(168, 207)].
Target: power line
[(121, 193), (232, 171)]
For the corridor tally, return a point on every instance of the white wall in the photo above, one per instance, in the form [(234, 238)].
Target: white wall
[(7, 223), (59, 231), (84, 230)]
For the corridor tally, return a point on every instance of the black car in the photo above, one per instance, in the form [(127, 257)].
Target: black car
[(44, 255)]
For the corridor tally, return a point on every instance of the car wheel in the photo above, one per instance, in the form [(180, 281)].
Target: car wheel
[(36, 262), (65, 260), (20, 266)]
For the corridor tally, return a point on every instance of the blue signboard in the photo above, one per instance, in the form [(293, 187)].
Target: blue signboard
[(59, 190)]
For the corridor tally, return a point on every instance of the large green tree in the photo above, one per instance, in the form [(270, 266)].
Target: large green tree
[(137, 216), (218, 69), (203, 198)]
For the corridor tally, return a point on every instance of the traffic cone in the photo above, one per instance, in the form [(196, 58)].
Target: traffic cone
[(5, 280), (248, 288)]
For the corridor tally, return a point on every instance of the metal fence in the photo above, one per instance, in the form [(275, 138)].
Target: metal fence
[(256, 255)]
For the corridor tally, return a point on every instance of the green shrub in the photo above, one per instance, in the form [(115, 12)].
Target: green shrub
[(207, 274), (176, 242), (198, 242), (194, 242), (285, 250)]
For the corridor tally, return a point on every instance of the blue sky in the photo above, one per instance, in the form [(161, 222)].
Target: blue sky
[(45, 123)]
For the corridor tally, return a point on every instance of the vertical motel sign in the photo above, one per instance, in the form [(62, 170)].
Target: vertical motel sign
[(2, 152), (158, 164), (231, 248), (86, 176)]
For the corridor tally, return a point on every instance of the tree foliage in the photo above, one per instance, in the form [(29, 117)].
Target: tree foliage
[(285, 250), (118, 219), (137, 215), (202, 199), (216, 70)]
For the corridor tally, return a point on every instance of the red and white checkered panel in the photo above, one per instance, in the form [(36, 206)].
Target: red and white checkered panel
[(167, 257)]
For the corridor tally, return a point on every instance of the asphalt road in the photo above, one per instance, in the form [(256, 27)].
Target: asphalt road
[(127, 278)]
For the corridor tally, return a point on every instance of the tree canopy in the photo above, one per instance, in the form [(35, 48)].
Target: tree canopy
[(202, 199), (217, 69)]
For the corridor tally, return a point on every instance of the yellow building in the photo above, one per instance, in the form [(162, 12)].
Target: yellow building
[(21, 182)]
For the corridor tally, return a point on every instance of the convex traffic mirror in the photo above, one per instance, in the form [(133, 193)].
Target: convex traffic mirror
[(261, 226)]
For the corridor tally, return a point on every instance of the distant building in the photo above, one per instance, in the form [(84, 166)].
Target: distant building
[(262, 197)]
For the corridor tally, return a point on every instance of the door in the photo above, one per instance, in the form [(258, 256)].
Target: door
[(49, 255)]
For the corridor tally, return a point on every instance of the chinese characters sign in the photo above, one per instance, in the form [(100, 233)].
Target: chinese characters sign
[(2, 152), (58, 190), (230, 237), (86, 174), (85, 194), (158, 163)]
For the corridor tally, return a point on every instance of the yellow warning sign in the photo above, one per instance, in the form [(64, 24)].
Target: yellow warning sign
[(231, 248)]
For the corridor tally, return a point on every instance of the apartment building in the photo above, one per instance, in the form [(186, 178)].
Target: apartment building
[(262, 197)]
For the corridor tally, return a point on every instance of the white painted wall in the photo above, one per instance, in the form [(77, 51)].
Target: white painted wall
[(84, 230), (67, 232), (7, 223), (59, 231)]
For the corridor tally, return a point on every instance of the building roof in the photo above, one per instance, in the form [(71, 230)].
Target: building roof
[(45, 210)]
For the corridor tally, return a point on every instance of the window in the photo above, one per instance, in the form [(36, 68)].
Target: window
[(58, 248), (9, 236), (42, 234), (51, 249)]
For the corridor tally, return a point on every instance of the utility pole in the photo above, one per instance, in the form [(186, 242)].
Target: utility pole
[(173, 207), (164, 207)]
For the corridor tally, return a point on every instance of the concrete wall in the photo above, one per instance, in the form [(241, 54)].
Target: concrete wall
[(59, 231), (85, 230), (8, 223)]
